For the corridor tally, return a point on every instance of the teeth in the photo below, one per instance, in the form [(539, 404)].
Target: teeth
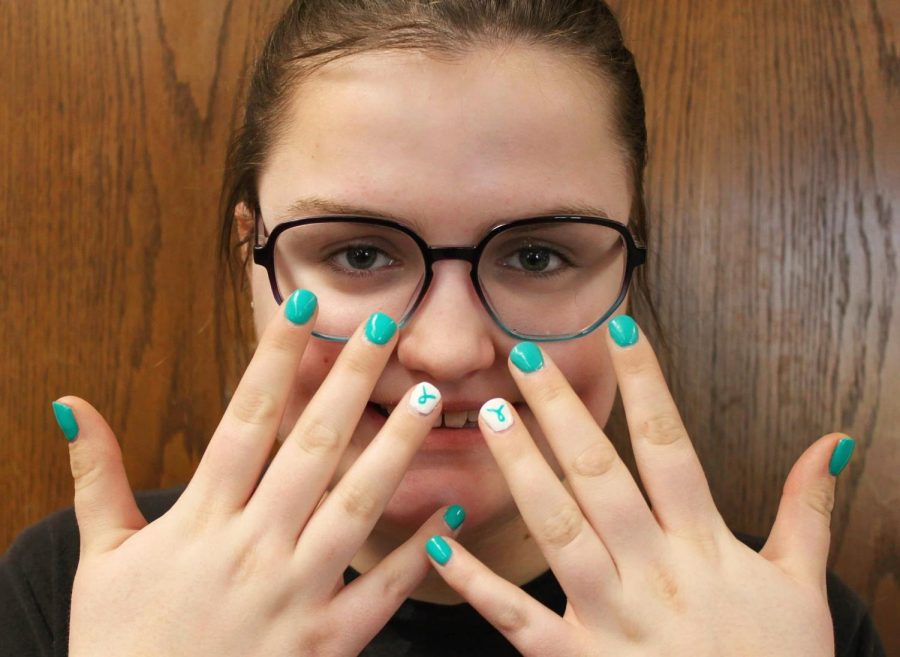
[(455, 418)]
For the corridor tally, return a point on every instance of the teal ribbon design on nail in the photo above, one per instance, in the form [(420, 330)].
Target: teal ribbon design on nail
[(424, 397), (499, 411)]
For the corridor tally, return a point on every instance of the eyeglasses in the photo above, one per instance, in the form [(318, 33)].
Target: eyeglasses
[(547, 278)]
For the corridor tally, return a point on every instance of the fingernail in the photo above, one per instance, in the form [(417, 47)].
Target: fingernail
[(424, 398), (527, 357), (380, 328), (497, 415), (623, 330), (300, 306), (438, 549), (841, 455), (454, 516), (65, 418)]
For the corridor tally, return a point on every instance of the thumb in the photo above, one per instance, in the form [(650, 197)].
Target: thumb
[(105, 508), (801, 535)]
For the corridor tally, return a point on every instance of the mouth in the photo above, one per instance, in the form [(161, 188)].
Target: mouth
[(463, 419)]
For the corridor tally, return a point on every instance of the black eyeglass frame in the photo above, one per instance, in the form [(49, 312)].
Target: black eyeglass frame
[(264, 255)]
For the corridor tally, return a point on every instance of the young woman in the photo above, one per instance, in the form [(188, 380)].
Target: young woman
[(443, 203)]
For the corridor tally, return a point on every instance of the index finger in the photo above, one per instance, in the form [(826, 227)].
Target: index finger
[(668, 465), (233, 460)]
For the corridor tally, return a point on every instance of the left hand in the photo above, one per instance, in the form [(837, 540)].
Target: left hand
[(668, 580)]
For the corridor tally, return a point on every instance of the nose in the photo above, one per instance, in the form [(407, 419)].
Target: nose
[(450, 336)]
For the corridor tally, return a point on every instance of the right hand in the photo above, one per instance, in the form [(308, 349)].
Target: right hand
[(236, 569)]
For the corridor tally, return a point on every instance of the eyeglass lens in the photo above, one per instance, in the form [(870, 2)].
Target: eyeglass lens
[(548, 279)]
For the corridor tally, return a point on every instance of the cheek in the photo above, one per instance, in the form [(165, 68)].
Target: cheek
[(589, 371), (311, 372)]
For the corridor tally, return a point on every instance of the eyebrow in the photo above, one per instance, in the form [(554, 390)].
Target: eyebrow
[(315, 205)]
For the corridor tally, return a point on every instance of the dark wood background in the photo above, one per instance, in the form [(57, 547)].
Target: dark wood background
[(774, 170)]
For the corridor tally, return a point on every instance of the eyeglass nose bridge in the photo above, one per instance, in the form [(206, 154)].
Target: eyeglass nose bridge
[(467, 253)]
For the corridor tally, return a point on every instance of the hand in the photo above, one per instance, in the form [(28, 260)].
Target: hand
[(669, 581), (236, 569)]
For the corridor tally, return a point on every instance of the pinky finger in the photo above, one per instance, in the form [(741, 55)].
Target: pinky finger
[(527, 624)]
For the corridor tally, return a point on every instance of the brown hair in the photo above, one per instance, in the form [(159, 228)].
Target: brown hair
[(311, 34)]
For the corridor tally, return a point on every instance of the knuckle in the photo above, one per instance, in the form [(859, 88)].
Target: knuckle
[(510, 619), (596, 460), (552, 392), (395, 586), (248, 563), (281, 344), (254, 406), (562, 527), (635, 365), (356, 363), (820, 498), (664, 586), (317, 437), (86, 471), (356, 502), (663, 430)]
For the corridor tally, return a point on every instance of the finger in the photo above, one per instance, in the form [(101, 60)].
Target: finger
[(105, 507), (231, 466), (573, 550), (370, 600), (801, 535), (297, 477), (531, 627), (668, 465), (343, 521), (602, 484)]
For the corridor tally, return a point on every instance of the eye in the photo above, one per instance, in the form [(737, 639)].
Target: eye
[(360, 258), (536, 259)]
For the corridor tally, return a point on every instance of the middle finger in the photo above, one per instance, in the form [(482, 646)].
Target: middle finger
[(296, 479), (602, 484)]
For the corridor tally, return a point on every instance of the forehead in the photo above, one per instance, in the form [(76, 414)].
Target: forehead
[(453, 147)]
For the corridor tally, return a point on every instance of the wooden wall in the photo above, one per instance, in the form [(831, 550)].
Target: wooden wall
[(774, 170)]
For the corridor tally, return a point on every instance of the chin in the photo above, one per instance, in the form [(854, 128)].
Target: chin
[(479, 488)]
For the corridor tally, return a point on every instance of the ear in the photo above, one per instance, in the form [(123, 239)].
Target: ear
[(245, 221)]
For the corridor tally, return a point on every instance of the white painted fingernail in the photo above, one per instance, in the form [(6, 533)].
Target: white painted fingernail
[(496, 412), (424, 398)]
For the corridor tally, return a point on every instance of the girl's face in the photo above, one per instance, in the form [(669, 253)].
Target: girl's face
[(453, 148)]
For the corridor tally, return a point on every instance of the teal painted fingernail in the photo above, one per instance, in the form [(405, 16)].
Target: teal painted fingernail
[(841, 455), (300, 306), (527, 356), (438, 550), (454, 516), (380, 328), (623, 330), (65, 418)]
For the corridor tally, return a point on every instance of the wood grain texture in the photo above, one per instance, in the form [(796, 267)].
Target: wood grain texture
[(773, 177)]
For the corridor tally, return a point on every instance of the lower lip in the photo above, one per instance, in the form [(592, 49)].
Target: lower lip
[(440, 438)]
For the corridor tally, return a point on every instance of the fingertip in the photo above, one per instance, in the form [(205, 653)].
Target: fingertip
[(623, 330), (438, 550), (300, 307), (840, 455), (424, 398), (454, 516), (65, 418)]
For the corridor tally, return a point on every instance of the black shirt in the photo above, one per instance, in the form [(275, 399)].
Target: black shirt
[(37, 571)]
